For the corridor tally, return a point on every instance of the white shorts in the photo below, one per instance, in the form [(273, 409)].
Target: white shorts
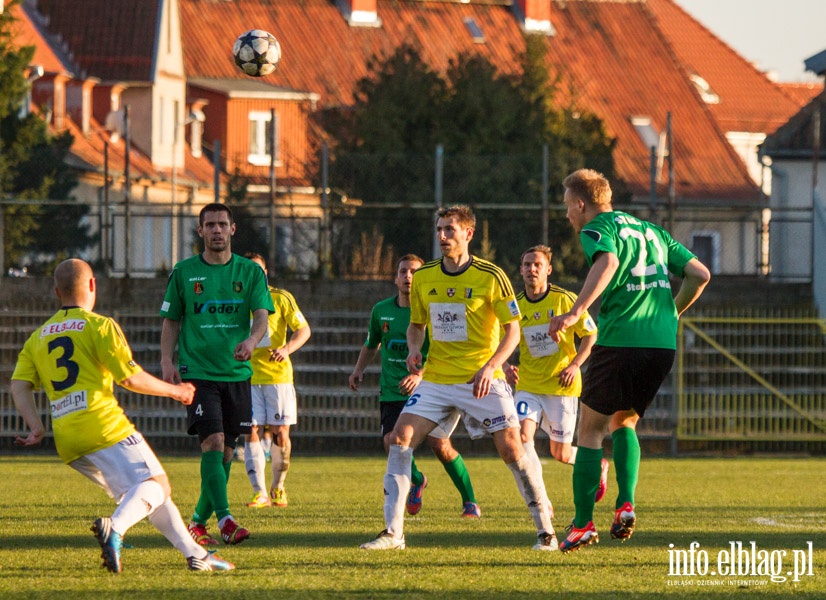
[(556, 415), (439, 402), (444, 430), (274, 404), (121, 467)]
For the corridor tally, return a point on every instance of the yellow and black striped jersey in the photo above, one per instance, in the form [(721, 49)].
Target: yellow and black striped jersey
[(287, 314), (462, 312), (540, 358), (76, 356)]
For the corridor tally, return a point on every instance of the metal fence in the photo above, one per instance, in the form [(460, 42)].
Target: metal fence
[(742, 378)]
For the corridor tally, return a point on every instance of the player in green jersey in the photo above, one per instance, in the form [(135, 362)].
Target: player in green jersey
[(548, 380), (460, 302), (76, 356), (206, 311), (630, 260), (389, 320), (273, 395)]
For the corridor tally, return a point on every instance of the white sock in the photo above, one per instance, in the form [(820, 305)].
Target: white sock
[(280, 464), (533, 457), (255, 462), (167, 519), (396, 487), (136, 504), (523, 470), (266, 444), (572, 460)]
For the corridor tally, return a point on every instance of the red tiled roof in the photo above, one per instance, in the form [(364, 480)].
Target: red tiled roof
[(614, 56), (802, 93), (26, 33), (749, 101), (113, 40)]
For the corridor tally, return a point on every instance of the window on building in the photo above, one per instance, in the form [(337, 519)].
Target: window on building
[(261, 142), (706, 247)]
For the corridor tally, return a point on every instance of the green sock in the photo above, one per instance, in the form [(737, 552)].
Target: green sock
[(587, 470), (214, 483), (461, 478), (416, 477), (626, 463), (204, 509)]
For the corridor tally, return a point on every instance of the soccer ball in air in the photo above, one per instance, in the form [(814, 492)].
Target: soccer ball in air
[(256, 52)]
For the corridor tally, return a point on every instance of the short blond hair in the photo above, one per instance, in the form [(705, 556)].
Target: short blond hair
[(589, 186), (461, 212), (538, 249)]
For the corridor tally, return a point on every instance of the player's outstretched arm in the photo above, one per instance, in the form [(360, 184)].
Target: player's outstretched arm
[(22, 393), (144, 383), (695, 278), (598, 278), (366, 355)]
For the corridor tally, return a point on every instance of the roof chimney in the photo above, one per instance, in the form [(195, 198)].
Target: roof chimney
[(534, 16), (360, 13)]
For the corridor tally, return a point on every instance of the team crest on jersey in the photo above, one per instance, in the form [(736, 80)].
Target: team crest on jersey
[(237, 287), (537, 316), (385, 327), (468, 292), (433, 292), (451, 292), (198, 287)]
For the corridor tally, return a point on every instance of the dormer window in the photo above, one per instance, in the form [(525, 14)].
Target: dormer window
[(474, 30), (645, 129), (703, 87)]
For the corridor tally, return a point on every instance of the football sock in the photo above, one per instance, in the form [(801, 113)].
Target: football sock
[(254, 461), (626, 463), (587, 470), (525, 474), (214, 475), (167, 519), (396, 486), (416, 477), (457, 471), (533, 457), (280, 463), (136, 504)]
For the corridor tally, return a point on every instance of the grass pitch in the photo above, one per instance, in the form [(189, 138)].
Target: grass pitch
[(310, 549)]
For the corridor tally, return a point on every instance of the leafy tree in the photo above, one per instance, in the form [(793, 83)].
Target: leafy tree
[(492, 127), (33, 167)]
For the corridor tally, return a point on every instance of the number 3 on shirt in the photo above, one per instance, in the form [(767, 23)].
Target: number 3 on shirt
[(64, 361)]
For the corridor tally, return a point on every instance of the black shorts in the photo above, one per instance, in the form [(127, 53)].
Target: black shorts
[(220, 407), (624, 378), (390, 412)]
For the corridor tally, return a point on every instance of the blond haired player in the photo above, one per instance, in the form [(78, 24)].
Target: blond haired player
[(548, 380), (460, 300), (273, 394), (76, 356)]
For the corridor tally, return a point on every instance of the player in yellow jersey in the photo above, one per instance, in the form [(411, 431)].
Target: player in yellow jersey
[(548, 380), (460, 300), (273, 394), (76, 356)]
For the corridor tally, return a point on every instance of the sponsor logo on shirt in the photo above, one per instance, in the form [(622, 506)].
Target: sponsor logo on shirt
[(68, 404), (218, 306), (62, 327), (514, 308)]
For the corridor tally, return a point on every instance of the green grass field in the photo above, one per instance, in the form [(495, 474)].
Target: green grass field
[(310, 549)]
